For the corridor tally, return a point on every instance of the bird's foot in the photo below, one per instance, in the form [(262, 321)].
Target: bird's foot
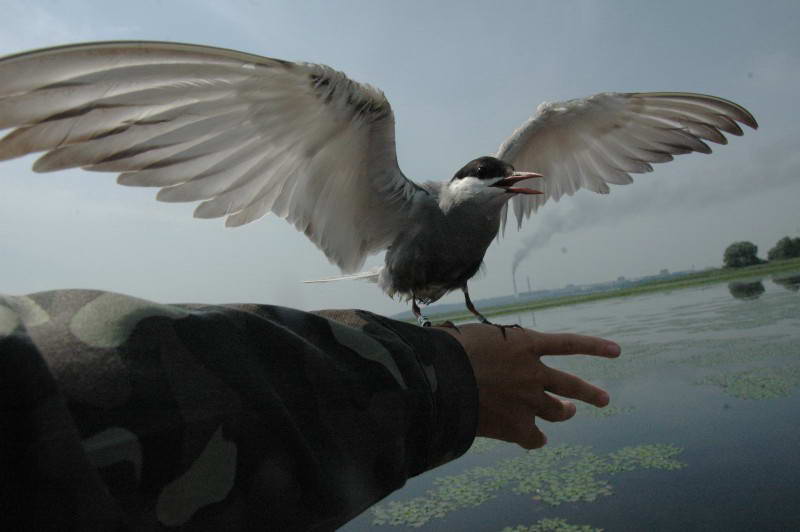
[(502, 327)]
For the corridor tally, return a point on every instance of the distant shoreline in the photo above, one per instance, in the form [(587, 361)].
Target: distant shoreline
[(716, 275)]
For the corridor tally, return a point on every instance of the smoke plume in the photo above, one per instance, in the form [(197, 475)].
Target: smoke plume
[(774, 167)]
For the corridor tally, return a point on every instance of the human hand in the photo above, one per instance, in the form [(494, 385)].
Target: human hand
[(513, 383)]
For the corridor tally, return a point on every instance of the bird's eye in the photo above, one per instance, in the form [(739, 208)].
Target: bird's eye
[(481, 171)]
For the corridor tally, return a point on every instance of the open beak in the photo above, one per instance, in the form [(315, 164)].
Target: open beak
[(508, 182)]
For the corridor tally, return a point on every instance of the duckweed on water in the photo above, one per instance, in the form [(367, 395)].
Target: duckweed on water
[(748, 350), (554, 475), (552, 525), (588, 410), (748, 315), (759, 383), (641, 359), (653, 456)]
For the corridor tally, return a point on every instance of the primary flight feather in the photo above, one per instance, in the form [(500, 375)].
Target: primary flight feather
[(247, 135)]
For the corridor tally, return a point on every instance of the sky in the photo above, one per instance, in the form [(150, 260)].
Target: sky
[(461, 77)]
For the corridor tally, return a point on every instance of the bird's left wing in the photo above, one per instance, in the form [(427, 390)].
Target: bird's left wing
[(246, 134), (590, 142)]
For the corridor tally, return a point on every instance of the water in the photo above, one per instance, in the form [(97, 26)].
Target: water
[(711, 372)]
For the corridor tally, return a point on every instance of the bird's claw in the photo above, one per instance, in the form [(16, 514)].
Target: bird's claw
[(503, 327)]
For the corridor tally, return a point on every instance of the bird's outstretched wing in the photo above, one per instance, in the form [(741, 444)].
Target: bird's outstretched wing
[(588, 143), (245, 134)]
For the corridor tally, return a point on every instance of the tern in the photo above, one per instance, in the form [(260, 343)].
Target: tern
[(247, 135)]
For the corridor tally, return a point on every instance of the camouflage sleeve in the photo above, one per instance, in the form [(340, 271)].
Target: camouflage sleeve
[(119, 413)]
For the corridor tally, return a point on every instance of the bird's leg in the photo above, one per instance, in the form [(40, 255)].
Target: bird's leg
[(425, 322), (480, 316), (472, 308), (422, 320)]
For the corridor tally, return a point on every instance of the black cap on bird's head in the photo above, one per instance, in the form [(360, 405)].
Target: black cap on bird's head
[(493, 169), (485, 168)]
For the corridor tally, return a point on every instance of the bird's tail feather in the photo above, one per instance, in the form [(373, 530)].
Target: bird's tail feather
[(370, 275)]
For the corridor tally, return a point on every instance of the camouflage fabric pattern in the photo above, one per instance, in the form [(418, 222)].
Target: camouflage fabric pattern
[(120, 413)]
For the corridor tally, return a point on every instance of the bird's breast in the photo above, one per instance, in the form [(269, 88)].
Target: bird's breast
[(429, 261)]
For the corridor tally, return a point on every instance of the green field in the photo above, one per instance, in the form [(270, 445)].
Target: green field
[(694, 279)]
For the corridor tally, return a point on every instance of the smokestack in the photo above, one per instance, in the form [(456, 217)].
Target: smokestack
[(529, 285)]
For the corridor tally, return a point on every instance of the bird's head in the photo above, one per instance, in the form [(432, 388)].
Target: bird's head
[(488, 177)]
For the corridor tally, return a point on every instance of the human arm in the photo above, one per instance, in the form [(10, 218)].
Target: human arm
[(122, 412)]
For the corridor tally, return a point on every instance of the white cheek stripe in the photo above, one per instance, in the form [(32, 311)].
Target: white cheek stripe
[(463, 189)]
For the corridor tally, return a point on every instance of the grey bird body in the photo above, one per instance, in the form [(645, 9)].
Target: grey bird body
[(248, 135), (434, 254)]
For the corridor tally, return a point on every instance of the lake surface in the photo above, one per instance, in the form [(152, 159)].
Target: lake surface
[(703, 430)]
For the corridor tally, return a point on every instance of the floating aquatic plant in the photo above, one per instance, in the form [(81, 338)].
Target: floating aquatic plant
[(553, 524), (747, 350), (640, 358), (653, 456), (553, 475), (609, 411), (759, 383), (750, 315), (750, 350)]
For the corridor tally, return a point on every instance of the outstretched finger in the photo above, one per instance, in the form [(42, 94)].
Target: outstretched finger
[(568, 385), (553, 409), (577, 344), (530, 437)]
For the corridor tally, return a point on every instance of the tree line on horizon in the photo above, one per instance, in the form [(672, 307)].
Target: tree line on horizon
[(740, 254)]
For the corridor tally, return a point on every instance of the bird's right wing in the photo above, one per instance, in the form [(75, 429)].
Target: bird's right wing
[(243, 133), (591, 142)]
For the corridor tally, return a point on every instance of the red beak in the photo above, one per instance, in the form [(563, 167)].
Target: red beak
[(516, 177)]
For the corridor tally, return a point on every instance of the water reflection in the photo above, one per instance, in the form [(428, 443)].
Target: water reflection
[(791, 282), (746, 290)]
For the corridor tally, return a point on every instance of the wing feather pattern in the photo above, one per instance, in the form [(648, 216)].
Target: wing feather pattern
[(244, 134), (588, 143)]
